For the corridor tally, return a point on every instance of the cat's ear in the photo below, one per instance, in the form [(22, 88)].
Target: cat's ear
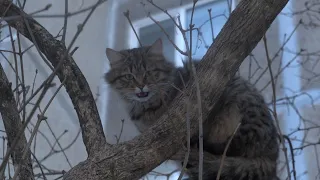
[(156, 48), (113, 55)]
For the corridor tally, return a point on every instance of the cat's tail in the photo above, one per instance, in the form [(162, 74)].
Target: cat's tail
[(235, 168)]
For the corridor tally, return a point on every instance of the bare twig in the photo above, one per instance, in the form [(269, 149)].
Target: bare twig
[(274, 105), (186, 157), (89, 8), (63, 39), (41, 117), (15, 63), (121, 130), (42, 172), (50, 78), (168, 36), (199, 101), (292, 155), (224, 154), (212, 34), (127, 15), (22, 78), (74, 76), (12, 123)]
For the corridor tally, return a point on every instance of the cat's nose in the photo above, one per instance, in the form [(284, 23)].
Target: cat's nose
[(139, 89), (140, 86), (145, 89)]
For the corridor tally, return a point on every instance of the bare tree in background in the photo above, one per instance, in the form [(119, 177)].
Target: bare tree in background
[(20, 103)]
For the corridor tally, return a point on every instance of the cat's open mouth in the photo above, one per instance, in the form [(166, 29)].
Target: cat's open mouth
[(142, 94)]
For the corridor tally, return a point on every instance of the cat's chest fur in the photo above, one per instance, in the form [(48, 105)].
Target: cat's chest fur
[(144, 115)]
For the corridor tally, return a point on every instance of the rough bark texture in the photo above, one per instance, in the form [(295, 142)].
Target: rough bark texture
[(76, 84), (13, 125), (131, 160)]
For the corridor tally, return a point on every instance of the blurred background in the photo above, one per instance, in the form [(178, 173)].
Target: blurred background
[(293, 43)]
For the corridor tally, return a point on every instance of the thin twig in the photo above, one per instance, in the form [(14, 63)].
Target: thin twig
[(34, 81), (121, 130), (212, 34), (168, 36), (15, 63), (57, 142), (186, 157), (31, 15), (292, 156), (35, 42), (42, 172), (274, 105), (198, 96), (279, 50), (22, 78), (46, 87), (63, 39), (41, 117), (224, 154), (127, 15)]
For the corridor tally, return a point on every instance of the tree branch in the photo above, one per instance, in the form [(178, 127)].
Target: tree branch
[(13, 125), (244, 29), (76, 84)]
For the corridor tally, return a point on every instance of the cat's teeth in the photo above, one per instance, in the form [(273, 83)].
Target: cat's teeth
[(142, 94)]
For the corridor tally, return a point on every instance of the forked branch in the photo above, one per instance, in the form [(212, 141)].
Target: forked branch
[(131, 160)]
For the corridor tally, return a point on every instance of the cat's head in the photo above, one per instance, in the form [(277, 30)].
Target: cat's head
[(140, 74)]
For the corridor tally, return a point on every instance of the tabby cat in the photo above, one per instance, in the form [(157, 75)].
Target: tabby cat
[(144, 79)]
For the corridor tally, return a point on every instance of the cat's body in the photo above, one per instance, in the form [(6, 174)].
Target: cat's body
[(253, 151), (144, 79)]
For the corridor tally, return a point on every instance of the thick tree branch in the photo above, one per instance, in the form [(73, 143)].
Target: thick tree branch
[(244, 29), (13, 126), (76, 84)]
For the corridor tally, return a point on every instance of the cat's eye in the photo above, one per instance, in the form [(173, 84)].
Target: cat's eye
[(129, 76)]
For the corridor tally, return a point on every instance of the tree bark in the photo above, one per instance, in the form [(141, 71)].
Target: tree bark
[(13, 125), (131, 160), (76, 84)]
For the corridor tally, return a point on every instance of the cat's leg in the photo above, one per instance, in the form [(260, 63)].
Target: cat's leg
[(234, 168), (192, 160)]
